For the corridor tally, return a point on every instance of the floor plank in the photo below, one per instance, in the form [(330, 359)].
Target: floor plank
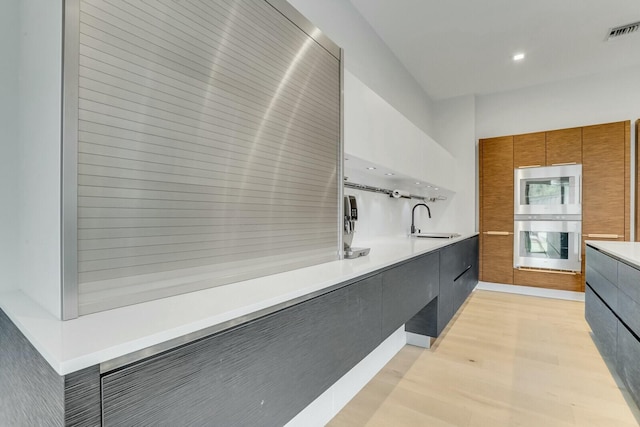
[(505, 360)]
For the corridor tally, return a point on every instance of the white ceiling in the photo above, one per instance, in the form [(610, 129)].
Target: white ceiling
[(461, 47)]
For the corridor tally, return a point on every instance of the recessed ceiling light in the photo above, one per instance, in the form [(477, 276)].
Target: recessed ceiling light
[(371, 168), (429, 186), (436, 188), (518, 57), (417, 183), (389, 174)]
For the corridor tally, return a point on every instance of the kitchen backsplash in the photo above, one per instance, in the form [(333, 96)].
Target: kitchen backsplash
[(382, 216)]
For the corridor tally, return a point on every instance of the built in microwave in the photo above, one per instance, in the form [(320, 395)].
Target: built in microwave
[(551, 190), (553, 245)]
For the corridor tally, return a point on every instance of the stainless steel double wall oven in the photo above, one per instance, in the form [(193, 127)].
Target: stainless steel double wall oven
[(548, 217)]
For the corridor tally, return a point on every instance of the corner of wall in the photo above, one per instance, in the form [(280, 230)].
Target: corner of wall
[(40, 68), (10, 145)]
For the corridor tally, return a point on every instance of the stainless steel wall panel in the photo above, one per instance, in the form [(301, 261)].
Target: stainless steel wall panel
[(162, 59), (208, 143), (193, 51), (123, 89), (134, 69), (167, 120)]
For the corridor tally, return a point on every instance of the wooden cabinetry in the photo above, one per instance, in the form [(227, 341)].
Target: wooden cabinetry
[(605, 187), (529, 150), (604, 152), (552, 148), (564, 146), (637, 180), (496, 201)]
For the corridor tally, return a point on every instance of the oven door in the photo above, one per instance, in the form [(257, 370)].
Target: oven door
[(552, 245), (552, 190)]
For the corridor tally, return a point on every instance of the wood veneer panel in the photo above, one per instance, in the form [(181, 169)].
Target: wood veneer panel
[(480, 216), (497, 259), (603, 160), (548, 280), (496, 205), (529, 150), (637, 179), (564, 146), (627, 180), (497, 184)]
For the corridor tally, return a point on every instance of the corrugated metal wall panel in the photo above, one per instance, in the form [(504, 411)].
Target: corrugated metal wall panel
[(208, 147)]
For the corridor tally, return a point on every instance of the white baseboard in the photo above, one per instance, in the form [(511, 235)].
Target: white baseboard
[(419, 340), (531, 291), (328, 404)]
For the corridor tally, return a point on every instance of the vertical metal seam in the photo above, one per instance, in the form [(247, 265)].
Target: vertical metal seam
[(69, 164), (341, 163)]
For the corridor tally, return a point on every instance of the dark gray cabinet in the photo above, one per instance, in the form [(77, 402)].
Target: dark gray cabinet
[(406, 289), (612, 309), (458, 277), (261, 373)]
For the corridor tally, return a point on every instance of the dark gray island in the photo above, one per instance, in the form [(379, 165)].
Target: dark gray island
[(612, 306)]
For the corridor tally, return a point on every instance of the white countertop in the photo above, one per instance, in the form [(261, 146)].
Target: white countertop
[(96, 338), (626, 251)]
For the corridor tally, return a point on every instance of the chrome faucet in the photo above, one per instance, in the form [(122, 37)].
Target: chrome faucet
[(413, 216)]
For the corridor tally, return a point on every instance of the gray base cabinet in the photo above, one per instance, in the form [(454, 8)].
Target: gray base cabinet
[(408, 288), (612, 309), (458, 277), (262, 372)]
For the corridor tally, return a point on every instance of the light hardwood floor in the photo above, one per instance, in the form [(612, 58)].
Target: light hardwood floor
[(505, 360)]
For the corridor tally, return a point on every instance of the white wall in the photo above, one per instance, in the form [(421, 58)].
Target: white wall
[(455, 131), (369, 58), (383, 216), (40, 112), (9, 144), (602, 98)]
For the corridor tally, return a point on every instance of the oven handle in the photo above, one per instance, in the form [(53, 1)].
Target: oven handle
[(580, 188), (579, 235), (540, 270)]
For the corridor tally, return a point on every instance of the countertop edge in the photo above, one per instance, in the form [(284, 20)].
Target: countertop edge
[(60, 342), (627, 252)]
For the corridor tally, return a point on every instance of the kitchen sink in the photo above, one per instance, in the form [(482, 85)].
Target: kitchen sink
[(436, 235)]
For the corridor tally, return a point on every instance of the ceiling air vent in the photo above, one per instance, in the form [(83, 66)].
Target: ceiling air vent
[(623, 30)]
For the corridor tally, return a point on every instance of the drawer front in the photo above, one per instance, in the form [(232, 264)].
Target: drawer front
[(603, 264), (629, 281), (261, 373), (604, 288), (603, 322), (627, 365), (629, 311), (406, 289)]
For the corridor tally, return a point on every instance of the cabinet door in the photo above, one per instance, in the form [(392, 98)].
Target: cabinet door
[(564, 146), (496, 214), (497, 258), (407, 289), (529, 150), (603, 170)]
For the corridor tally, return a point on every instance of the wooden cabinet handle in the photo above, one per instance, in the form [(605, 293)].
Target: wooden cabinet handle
[(529, 166), (563, 164), (603, 236), (497, 233), (537, 270)]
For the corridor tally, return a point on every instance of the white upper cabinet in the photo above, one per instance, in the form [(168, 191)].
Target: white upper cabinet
[(374, 131)]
